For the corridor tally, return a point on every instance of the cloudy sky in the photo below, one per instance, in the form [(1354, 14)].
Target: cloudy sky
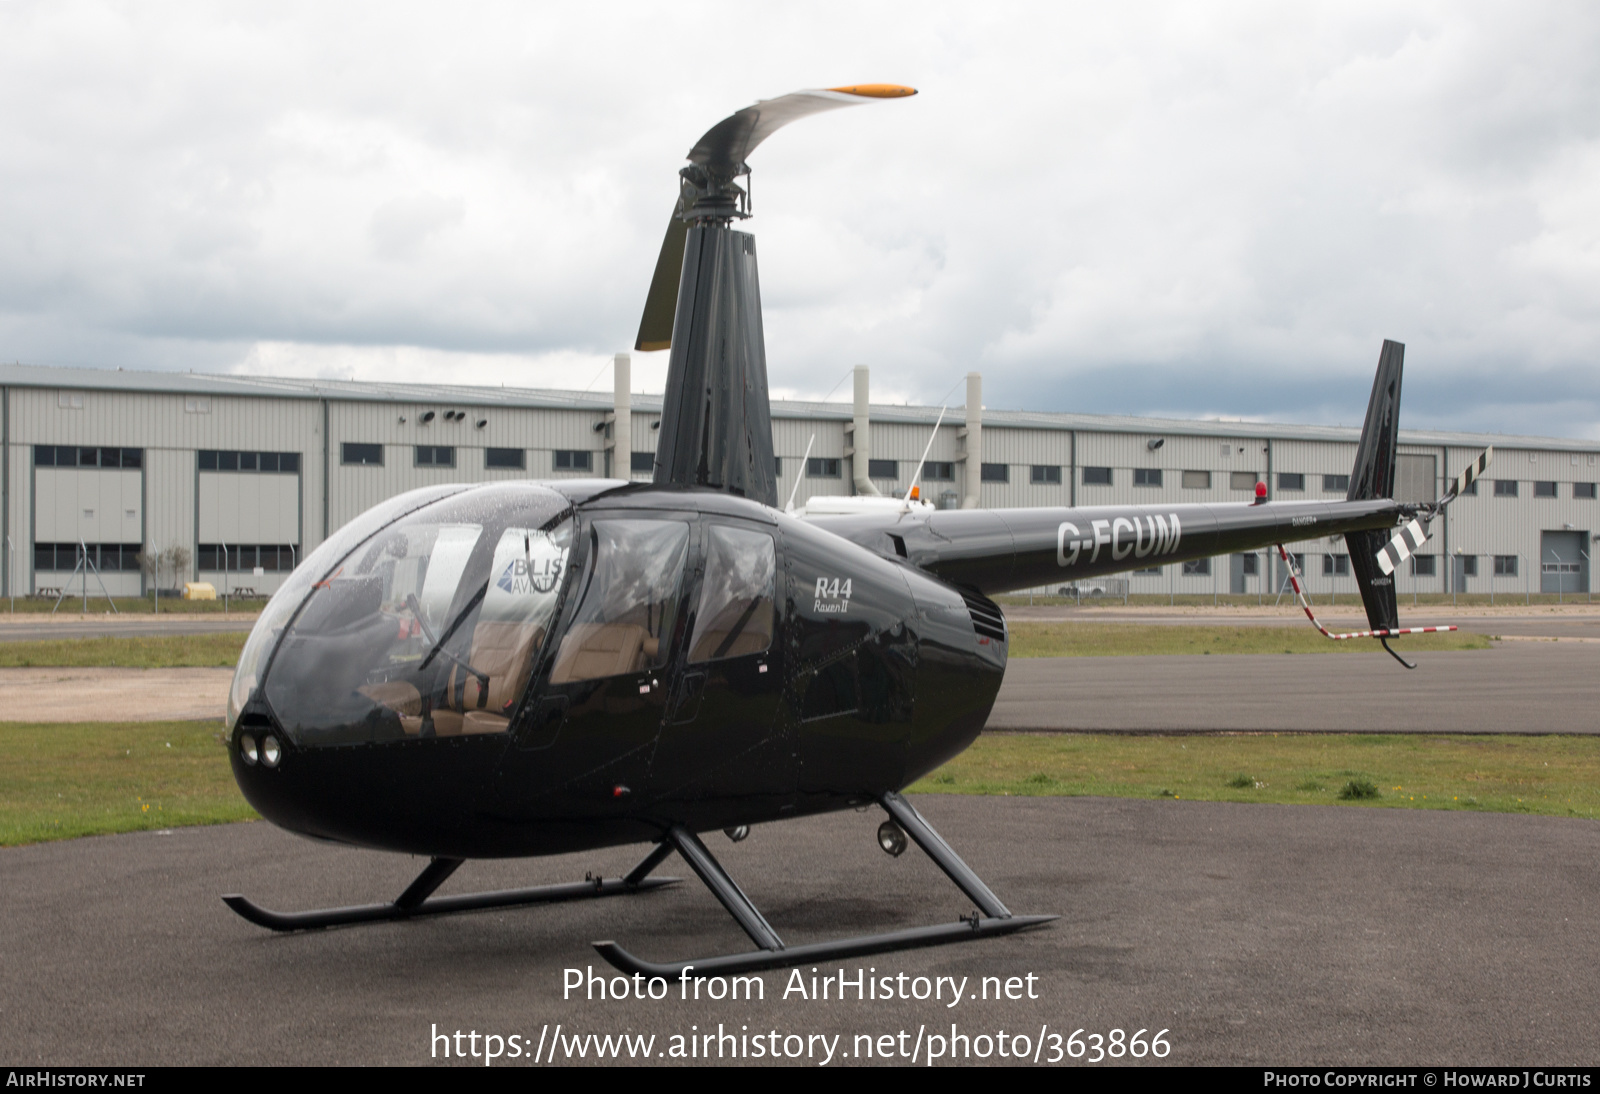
[(1179, 209)]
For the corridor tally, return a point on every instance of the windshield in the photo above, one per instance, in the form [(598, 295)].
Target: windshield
[(316, 566), (431, 626)]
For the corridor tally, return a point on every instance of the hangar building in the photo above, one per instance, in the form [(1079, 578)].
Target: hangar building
[(237, 477)]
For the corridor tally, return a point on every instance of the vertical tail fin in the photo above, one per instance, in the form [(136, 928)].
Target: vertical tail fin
[(1373, 477)]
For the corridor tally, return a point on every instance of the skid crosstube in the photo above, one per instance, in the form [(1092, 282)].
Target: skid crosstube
[(995, 919), (415, 902)]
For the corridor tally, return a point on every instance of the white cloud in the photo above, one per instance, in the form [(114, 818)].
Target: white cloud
[(1087, 203)]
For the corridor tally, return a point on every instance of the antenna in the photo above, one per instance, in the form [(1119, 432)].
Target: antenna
[(924, 459), (789, 508)]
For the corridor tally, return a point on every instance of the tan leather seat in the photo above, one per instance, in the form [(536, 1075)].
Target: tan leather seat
[(755, 636), (481, 721), (502, 651), (592, 650)]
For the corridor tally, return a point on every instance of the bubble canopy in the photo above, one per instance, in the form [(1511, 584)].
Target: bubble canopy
[(424, 624)]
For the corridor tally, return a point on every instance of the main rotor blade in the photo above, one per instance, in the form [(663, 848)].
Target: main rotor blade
[(731, 140), (661, 305), (722, 151)]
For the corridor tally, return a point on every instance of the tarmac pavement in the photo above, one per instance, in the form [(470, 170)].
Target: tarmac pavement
[(1250, 934)]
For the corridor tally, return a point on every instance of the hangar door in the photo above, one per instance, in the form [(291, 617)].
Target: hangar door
[(1562, 567), (88, 498), (1415, 478), (248, 519)]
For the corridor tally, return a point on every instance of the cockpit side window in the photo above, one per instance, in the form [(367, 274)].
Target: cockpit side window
[(624, 622), (736, 613)]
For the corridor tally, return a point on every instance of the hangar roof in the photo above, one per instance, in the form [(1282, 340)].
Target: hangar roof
[(195, 383)]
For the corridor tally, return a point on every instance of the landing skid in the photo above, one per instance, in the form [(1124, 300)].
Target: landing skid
[(991, 918), (415, 901)]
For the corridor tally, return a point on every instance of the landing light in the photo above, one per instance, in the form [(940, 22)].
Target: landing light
[(891, 838), (271, 751), (737, 834), (247, 748)]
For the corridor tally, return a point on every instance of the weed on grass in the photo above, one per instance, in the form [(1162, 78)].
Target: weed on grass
[(1555, 776), (1358, 790)]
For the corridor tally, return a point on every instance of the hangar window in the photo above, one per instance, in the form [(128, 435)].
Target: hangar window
[(513, 459), (1148, 571), (822, 467), (883, 469), (361, 455), (1288, 480), (1505, 488), (1505, 565), (569, 460), (1147, 476), (995, 472), (1424, 565), (272, 558), (1583, 489), (641, 462), (1242, 480), (1197, 566), (435, 455), (777, 467), (71, 455), (1544, 489), (270, 462), (939, 471), (1197, 480), (105, 557), (1249, 565), (1043, 475), (1097, 476), (1335, 483), (1468, 565), (1335, 565)]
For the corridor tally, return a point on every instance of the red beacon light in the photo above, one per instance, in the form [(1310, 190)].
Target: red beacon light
[(1261, 493)]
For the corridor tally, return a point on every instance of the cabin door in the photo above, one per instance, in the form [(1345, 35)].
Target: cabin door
[(722, 738)]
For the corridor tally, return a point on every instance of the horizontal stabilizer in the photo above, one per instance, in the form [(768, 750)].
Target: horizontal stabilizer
[(1405, 543)]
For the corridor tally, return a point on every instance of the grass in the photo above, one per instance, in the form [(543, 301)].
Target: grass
[(129, 605), (58, 781), (1140, 639), (152, 652), (1552, 776)]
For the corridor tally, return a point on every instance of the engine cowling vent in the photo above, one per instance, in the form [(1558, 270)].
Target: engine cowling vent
[(987, 618)]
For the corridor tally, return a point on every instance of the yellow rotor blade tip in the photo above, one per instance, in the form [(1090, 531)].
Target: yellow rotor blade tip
[(877, 91)]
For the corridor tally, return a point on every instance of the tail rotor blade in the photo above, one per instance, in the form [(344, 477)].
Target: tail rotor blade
[(1465, 480), (1405, 543), (661, 305)]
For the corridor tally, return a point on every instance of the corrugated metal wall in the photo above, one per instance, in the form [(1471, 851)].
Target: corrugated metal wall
[(176, 505)]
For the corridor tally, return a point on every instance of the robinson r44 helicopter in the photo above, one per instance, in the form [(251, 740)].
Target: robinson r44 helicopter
[(522, 669)]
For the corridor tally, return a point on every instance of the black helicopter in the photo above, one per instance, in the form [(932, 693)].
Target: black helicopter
[(521, 669)]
